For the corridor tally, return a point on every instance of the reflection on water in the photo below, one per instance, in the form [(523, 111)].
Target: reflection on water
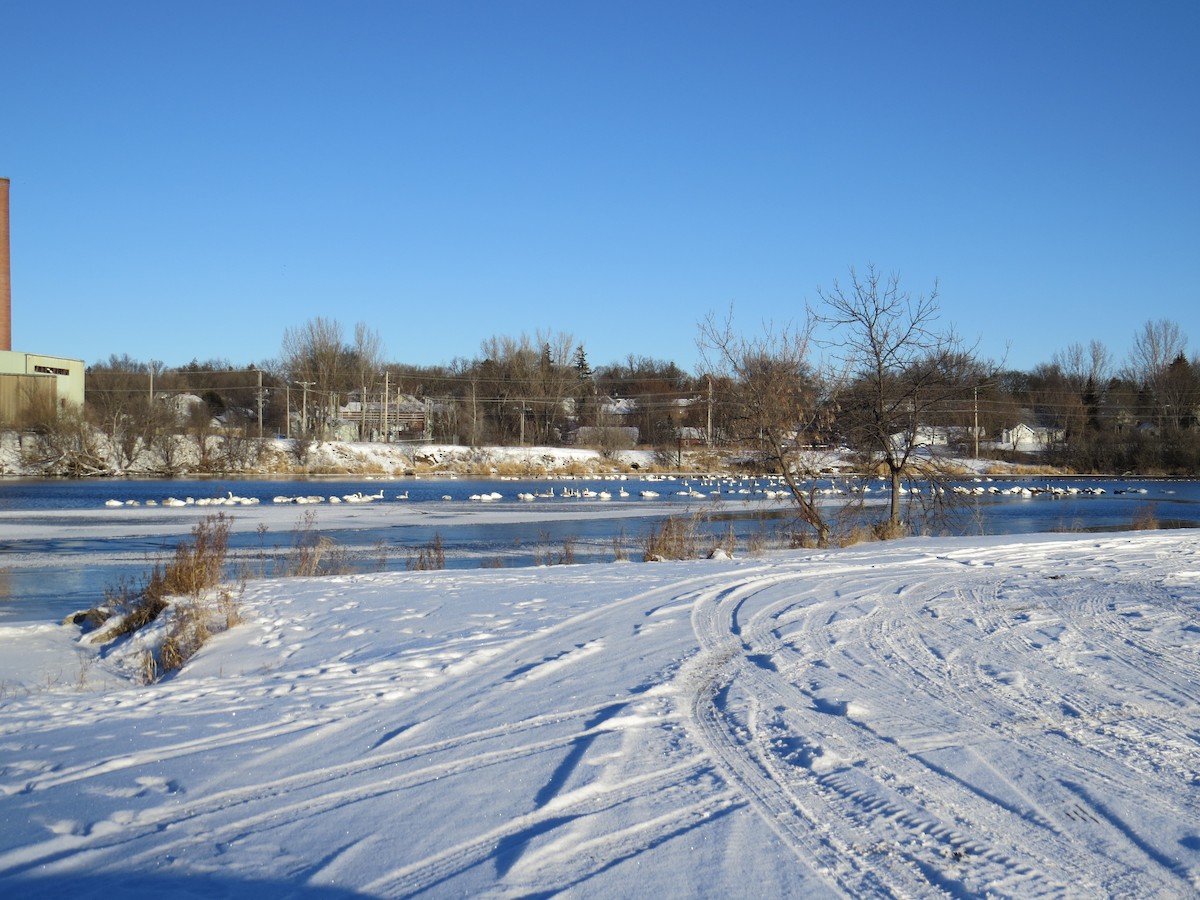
[(64, 574)]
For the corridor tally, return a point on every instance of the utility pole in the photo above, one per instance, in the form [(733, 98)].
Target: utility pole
[(387, 435), (304, 405), (976, 421), (710, 411), (287, 416), (260, 405)]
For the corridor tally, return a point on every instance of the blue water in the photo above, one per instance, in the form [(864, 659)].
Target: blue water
[(52, 591)]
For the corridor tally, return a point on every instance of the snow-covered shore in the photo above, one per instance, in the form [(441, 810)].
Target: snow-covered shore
[(19, 457), (1004, 716), (279, 457)]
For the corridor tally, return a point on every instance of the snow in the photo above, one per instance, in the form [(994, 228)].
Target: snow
[(1010, 716)]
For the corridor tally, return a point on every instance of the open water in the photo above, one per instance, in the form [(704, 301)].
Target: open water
[(58, 570)]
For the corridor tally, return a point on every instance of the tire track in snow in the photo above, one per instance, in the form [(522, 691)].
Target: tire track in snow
[(260, 805), (889, 832), (752, 639), (421, 875), (793, 811), (906, 653), (157, 753), (228, 815)]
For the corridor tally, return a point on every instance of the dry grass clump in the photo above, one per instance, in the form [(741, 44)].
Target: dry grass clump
[(757, 543), (1017, 470), (883, 530), (275, 462), (197, 567), (1145, 519), (726, 543), (128, 605), (329, 469), (518, 468), (620, 546), (198, 564), (947, 469), (188, 588), (684, 537), (428, 558), (706, 460), (886, 530), (312, 553), (678, 538), (193, 621), (547, 556)]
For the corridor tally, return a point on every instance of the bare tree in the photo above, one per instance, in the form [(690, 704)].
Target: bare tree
[(1154, 364), (1154, 348), (1075, 384), (1085, 365), (315, 354), (778, 402), (906, 374), (366, 359), (557, 382), (120, 405), (64, 443), (507, 373), (527, 384), (200, 424)]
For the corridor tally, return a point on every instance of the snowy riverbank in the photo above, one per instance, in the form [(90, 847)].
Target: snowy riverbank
[(282, 457), (1001, 715)]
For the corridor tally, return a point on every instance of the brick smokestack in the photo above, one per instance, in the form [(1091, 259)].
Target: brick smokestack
[(5, 272)]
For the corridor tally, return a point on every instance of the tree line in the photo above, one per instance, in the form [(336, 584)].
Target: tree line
[(869, 366)]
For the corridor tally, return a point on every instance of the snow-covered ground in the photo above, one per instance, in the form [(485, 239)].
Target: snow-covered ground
[(1004, 716)]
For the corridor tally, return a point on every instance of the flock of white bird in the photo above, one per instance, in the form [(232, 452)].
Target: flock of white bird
[(1022, 491), (712, 488), (231, 499), (703, 488), (228, 500)]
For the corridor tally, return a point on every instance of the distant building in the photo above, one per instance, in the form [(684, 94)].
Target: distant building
[(935, 436), (1023, 438), (33, 384)]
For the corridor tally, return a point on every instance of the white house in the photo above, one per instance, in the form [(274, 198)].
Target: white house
[(1023, 438), (934, 436)]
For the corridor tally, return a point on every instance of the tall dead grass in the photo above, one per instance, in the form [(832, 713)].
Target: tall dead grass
[(188, 587), (679, 537), (431, 557), (546, 555), (312, 553)]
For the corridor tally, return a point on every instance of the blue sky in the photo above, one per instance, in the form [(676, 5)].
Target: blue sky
[(188, 180)]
